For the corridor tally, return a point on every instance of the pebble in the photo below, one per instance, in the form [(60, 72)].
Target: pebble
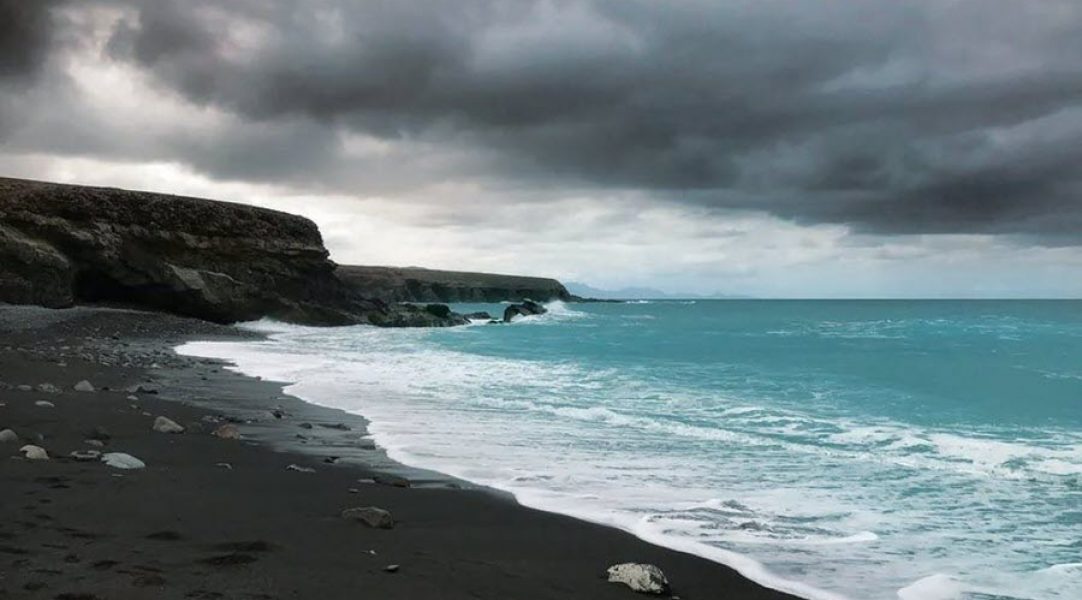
[(391, 568), (121, 460), (373, 516), (300, 469), (167, 425), (44, 404), (24, 388), (227, 432), (95, 443), (225, 466), (48, 388), (85, 455), (8, 436), (32, 452), (84, 386)]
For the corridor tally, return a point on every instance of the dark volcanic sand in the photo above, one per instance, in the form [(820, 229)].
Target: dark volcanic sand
[(186, 527)]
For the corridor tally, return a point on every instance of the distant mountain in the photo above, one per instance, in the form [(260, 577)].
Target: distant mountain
[(637, 293)]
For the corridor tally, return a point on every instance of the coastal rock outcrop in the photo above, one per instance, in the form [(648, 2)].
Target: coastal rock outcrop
[(413, 284), (66, 244), (527, 308)]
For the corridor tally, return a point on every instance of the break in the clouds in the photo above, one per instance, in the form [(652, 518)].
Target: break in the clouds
[(916, 136)]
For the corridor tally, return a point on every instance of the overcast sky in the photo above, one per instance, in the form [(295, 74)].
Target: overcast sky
[(764, 147)]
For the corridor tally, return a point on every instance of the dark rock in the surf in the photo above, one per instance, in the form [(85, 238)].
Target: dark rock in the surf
[(479, 316), (440, 310), (526, 308), (66, 244), (372, 516)]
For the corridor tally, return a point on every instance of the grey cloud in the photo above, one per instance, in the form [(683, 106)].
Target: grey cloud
[(888, 116)]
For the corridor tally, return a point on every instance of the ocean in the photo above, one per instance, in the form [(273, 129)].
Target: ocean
[(860, 450)]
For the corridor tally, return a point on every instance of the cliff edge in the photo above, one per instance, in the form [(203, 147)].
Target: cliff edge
[(218, 261), (414, 284)]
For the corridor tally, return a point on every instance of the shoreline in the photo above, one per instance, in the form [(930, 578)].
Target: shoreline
[(188, 527)]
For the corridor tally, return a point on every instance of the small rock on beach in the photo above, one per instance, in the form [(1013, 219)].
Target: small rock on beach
[(167, 425), (7, 436), (372, 516), (643, 578), (121, 460), (84, 386), (227, 432), (32, 452)]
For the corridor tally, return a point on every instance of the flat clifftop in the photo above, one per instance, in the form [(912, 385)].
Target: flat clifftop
[(414, 284), (153, 211), (62, 245)]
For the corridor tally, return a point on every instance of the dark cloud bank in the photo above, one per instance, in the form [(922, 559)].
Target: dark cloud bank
[(894, 117)]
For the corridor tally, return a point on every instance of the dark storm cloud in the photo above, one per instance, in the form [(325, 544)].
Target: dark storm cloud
[(26, 28), (915, 117)]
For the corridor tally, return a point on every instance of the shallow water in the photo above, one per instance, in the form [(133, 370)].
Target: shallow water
[(834, 449)]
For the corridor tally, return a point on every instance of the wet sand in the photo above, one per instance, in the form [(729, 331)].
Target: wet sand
[(219, 518)]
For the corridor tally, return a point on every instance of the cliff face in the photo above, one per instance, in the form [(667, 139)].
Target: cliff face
[(223, 262), (412, 284)]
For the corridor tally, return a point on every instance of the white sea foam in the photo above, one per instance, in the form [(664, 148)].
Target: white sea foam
[(739, 479)]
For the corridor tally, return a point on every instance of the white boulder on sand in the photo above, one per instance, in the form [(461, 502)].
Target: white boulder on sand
[(84, 386), (120, 460), (167, 425), (34, 452), (643, 578)]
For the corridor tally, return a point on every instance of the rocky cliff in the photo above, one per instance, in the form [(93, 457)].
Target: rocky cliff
[(412, 284), (218, 261)]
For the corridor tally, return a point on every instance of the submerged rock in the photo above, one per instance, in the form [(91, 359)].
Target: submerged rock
[(121, 460), (525, 309), (7, 436), (643, 578), (167, 425), (373, 516), (479, 316), (32, 452)]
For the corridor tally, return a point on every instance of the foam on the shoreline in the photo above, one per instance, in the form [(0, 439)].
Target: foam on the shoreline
[(612, 446)]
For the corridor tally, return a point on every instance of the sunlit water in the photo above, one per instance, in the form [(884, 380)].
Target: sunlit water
[(861, 450)]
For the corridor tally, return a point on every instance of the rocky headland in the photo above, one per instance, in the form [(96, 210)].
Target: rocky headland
[(414, 284), (62, 245)]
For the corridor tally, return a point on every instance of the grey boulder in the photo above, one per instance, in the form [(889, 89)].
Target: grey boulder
[(167, 425), (121, 460), (32, 452), (642, 578)]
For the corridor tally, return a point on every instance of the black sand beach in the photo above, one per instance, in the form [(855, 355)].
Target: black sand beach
[(221, 518)]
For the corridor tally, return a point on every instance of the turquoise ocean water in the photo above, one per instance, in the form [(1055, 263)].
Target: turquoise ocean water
[(835, 449)]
